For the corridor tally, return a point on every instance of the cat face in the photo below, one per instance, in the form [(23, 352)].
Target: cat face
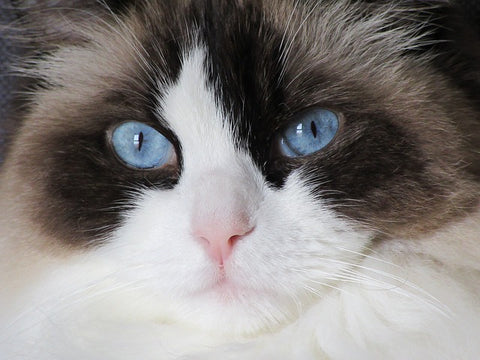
[(255, 210)]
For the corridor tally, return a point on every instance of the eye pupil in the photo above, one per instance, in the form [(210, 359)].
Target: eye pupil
[(313, 127), (138, 141)]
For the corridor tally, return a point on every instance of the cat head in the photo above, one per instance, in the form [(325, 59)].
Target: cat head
[(240, 157)]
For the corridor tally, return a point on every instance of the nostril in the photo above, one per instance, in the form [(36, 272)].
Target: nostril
[(232, 241)]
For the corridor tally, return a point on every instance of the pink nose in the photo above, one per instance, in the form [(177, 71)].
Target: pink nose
[(222, 212), (220, 238)]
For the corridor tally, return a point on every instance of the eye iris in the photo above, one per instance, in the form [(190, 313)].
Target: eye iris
[(310, 133), (141, 146)]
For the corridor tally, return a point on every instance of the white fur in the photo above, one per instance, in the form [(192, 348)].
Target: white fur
[(305, 284)]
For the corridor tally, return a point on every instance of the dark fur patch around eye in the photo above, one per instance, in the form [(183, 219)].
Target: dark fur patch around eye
[(93, 188), (374, 172), (88, 188)]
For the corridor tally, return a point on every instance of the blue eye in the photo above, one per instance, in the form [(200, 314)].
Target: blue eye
[(141, 146), (310, 133)]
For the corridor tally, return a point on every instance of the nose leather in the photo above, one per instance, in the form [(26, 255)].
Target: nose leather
[(220, 215)]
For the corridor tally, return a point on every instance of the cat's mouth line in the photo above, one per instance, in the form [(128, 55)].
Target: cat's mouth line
[(223, 283)]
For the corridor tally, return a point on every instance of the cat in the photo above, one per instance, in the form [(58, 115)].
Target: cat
[(245, 179)]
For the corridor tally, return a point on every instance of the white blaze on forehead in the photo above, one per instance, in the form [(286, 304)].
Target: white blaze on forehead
[(219, 186), (190, 109)]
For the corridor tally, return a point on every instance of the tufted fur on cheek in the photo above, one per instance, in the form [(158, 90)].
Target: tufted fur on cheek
[(366, 249)]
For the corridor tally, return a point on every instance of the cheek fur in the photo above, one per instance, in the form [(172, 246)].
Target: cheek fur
[(298, 250)]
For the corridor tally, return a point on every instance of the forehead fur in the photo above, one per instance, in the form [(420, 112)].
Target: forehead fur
[(265, 62)]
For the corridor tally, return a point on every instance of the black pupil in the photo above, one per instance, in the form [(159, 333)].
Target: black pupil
[(138, 140), (313, 127)]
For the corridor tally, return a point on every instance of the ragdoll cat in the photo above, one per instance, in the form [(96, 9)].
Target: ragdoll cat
[(208, 179)]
